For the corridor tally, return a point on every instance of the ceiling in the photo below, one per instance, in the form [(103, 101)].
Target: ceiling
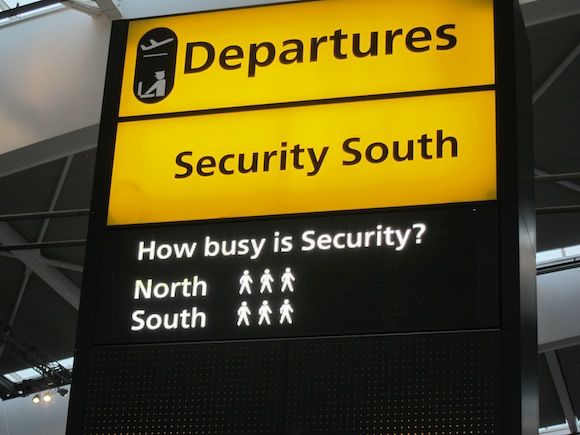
[(55, 173), (556, 126)]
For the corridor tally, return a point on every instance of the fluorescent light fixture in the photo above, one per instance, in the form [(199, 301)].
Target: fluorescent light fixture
[(559, 429), (572, 251), (552, 254), (558, 254)]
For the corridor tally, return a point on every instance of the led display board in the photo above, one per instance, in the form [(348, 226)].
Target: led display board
[(297, 277), (307, 219)]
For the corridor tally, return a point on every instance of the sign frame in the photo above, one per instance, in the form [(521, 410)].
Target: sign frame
[(518, 409)]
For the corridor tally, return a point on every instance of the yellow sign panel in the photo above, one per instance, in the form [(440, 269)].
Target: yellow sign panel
[(330, 157), (305, 51)]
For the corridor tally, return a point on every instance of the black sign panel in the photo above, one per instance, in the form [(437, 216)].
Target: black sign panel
[(155, 65), (409, 270)]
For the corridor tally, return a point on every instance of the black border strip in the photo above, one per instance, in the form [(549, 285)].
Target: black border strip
[(86, 323), (309, 214), (389, 96), (304, 338), (559, 267)]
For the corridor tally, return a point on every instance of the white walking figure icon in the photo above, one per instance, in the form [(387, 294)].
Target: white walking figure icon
[(287, 279), (266, 280), (264, 313), (243, 313), (285, 311), (245, 282)]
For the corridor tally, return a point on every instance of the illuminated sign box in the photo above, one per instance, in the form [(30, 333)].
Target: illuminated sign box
[(361, 105), (281, 183), (307, 51), (362, 155)]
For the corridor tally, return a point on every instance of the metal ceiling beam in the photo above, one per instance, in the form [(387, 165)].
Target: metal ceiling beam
[(27, 8), (50, 261), (56, 148), (556, 74), (110, 8), (562, 390), (558, 344), (9, 247), (64, 265), (56, 194), (16, 307), (557, 177), (558, 210), (53, 262), (82, 7), (51, 214), (34, 261), (543, 11), (567, 184)]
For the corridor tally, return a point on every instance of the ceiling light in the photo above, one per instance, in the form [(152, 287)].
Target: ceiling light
[(47, 397), (62, 391), (36, 399)]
